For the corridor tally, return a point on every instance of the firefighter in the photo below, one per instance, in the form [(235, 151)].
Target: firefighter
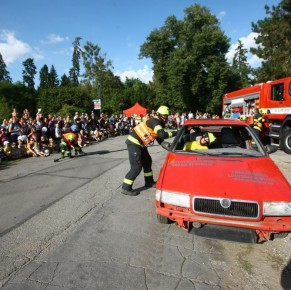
[(242, 118), (142, 136), (257, 126), (69, 142)]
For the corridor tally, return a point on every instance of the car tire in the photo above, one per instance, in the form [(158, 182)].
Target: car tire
[(286, 140), (281, 235), (163, 219)]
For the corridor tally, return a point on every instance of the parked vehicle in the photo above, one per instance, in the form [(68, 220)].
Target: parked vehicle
[(273, 101), (230, 190)]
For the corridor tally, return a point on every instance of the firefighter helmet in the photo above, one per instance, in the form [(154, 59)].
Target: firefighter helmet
[(71, 138), (163, 110)]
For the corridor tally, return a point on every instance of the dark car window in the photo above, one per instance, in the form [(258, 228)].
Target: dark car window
[(221, 139)]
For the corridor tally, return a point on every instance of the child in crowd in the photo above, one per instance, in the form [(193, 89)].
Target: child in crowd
[(52, 146), (7, 149), (21, 146)]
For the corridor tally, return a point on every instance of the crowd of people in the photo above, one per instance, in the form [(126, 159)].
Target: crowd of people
[(35, 135)]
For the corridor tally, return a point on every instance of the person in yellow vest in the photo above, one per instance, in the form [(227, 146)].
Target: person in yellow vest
[(69, 142), (142, 136), (200, 143)]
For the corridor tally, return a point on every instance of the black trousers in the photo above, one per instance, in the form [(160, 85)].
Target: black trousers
[(139, 158)]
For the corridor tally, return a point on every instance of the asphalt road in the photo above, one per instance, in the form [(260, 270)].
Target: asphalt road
[(66, 226)]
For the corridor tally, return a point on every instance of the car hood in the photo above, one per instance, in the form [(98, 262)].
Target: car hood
[(236, 178)]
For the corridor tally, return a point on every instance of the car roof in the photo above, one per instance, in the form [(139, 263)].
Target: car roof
[(222, 122)]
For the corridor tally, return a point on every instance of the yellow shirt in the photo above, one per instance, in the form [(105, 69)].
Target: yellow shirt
[(193, 145)]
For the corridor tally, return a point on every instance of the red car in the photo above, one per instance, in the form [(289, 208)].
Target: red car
[(218, 181)]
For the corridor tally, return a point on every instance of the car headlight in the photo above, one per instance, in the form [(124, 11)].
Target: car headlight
[(174, 198), (277, 208)]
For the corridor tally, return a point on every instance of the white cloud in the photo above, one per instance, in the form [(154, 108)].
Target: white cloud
[(12, 48), (145, 74), (221, 14), (55, 38), (248, 41)]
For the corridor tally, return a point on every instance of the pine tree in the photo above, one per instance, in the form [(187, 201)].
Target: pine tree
[(44, 77), (241, 66), (4, 74), (28, 72), (75, 70)]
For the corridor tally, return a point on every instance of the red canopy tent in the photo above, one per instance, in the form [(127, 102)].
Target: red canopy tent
[(135, 109)]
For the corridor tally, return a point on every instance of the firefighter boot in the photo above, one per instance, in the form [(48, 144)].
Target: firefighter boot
[(150, 184), (130, 192), (149, 181), (127, 190)]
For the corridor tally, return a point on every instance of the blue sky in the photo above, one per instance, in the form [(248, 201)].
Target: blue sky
[(45, 30)]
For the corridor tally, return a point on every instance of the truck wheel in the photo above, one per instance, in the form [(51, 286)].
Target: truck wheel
[(286, 140), (163, 219)]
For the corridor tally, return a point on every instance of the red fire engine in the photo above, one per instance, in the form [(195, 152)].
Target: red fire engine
[(270, 100)]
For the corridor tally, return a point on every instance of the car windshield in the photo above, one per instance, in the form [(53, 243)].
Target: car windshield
[(218, 140)]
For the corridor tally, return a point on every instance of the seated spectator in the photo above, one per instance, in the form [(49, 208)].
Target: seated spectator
[(201, 143), (43, 144), (33, 148), (15, 152), (21, 146), (33, 134), (3, 135), (52, 146), (7, 150)]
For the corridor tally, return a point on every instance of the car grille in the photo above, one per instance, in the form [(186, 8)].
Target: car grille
[(237, 208)]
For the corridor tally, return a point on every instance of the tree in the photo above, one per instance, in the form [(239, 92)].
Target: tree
[(97, 75), (4, 74), (28, 72), (53, 77), (190, 68), (65, 81), (44, 77), (75, 70), (274, 47), (241, 66)]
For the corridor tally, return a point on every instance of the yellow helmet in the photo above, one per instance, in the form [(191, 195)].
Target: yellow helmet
[(71, 138), (163, 110)]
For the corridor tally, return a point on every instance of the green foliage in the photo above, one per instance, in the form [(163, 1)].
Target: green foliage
[(68, 110), (53, 79), (53, 100), (274, 33), (44, 77), (16, 96), (190, 69), (75, 70), (29, 72), (189, 61), (4, 73)]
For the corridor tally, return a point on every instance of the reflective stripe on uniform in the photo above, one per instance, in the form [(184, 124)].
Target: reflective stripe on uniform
[(127, 181), (134, 140), (148, 174), (258, 128), (157, 128), (170, 134)]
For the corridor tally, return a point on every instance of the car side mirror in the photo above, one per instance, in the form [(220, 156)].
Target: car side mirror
[(271, 148), (166, 145)]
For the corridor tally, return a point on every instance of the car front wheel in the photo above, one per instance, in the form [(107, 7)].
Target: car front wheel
[(163, 219)]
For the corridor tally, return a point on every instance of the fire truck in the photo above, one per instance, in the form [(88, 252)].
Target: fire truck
[(272, 102)]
